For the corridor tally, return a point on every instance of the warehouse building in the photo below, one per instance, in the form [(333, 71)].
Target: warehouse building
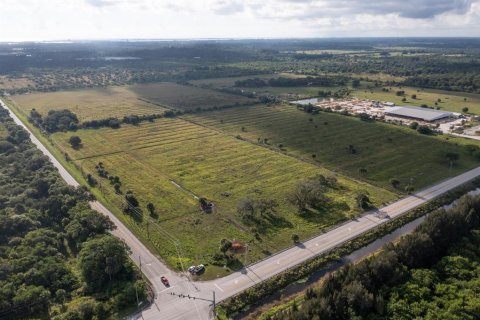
[(422, 114)]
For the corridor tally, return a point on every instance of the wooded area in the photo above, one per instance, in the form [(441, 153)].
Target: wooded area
[(57, 259), (432, 273)]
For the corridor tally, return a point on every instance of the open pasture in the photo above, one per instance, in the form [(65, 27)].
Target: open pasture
[(184, 97), (88, 104), (148, 158), (378, 153)]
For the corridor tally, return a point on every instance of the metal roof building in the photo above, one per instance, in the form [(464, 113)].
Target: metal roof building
[(424, 114)]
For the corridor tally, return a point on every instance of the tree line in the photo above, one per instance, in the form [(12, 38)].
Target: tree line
[(57, 258), (325, 81), (66, 120)]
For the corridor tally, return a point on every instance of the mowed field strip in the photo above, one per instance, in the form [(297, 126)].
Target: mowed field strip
[(210, 164), (385, 151)]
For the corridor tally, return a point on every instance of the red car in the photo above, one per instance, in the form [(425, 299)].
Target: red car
[(165, 281)]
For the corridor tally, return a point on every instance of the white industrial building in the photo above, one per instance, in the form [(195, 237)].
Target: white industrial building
[(423, 114)]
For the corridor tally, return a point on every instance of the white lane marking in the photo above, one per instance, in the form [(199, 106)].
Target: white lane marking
[(278, 261), (316, 244), (216, 285), (166, 289), (236, 281), (349, 229)]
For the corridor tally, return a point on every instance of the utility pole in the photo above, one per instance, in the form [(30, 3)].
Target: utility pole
[(140, 259)]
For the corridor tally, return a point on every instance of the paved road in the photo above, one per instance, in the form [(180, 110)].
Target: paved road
[(167, 306)]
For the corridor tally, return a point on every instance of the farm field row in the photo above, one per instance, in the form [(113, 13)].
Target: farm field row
[(119, 101), (221, 168), (346, 144)]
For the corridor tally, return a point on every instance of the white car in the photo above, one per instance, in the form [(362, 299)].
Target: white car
[(196, 269), (199, 268)]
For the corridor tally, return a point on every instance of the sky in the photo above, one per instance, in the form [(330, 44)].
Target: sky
[(37, 20)]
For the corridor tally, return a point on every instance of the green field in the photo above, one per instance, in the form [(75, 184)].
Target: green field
[(385, 151), (120, 101), (150, 157), (183, 97), (88, 104)]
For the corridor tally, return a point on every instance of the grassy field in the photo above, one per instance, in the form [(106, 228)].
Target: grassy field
[(449, 100), (150, 157), (385, 151), (7, 83), (186, 97), (88, 104), (120, 101)]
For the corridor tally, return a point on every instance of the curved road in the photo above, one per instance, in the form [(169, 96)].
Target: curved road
[(177, 302)]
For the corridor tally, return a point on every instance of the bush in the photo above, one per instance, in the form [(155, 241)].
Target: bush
[(423, 129), (413, 125), (75, 141)]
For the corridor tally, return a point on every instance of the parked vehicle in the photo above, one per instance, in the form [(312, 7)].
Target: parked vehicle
[(200, 268), (196, 269), (165, 281)]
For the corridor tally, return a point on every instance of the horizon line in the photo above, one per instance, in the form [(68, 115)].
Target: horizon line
[(113, 39)]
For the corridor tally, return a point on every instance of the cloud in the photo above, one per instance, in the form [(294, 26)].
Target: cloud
[(100, 3), (106, 3), (227, 7), (416, 9), (304, 9), (101, 19)]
